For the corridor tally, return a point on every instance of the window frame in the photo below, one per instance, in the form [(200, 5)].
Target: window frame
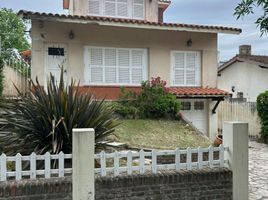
[(87, 75), (130, 10), (197, 105), (186, 102), (198, 69)]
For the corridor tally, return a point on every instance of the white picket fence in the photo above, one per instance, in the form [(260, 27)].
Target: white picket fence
[(122, 163), (153, 167), (7, 162)]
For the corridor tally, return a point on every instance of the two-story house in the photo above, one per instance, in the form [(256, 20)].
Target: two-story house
[(111, 43)]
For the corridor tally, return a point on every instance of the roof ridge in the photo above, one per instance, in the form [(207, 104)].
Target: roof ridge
[(254, 55)]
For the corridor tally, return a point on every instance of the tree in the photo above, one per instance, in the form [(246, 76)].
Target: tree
[(11, 37), (246, 7)]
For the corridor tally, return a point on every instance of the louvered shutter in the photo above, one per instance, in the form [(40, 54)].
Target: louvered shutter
[(138, 9), (110, 7), (178, 68), (137, 66), (96, 65), (124, 65), (122, 8), (190, 68), (110, 65), (198, 69), (94, 7)]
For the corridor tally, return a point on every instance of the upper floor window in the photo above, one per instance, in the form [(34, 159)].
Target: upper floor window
[(133, 9), (115, 66), (185, 68)]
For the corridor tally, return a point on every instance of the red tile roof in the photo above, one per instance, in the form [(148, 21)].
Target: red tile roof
[(198, 92), (191, 27)]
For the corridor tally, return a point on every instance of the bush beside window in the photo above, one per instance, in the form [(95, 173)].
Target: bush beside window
[(153, 102), (262, 107)]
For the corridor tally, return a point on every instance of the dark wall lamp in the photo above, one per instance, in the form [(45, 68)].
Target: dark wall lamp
[(71, 35), (189, 43)]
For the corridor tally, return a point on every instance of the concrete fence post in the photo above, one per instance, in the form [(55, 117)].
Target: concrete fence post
[(235, 137), (83, 164)]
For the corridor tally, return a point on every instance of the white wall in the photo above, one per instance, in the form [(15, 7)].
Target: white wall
[(247, 78)]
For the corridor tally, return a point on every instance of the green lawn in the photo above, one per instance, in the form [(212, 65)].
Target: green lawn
[(158, 134)]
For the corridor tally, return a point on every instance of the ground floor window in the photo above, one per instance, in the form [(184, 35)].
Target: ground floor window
[(115, 66)]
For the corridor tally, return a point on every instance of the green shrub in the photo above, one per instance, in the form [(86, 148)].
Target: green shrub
[(43, 121), (153, 102), (262, 107), (126, 106)]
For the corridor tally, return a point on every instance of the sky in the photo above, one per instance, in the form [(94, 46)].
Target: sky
[(211, 12)]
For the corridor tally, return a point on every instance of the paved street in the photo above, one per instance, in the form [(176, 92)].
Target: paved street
[(258, 171)]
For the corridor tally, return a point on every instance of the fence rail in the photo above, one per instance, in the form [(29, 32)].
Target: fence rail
[(131, 167), (20, 167), (28, 167)]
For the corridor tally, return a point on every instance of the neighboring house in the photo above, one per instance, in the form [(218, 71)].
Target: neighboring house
[(107, 44), (26, 56), (245, 76)]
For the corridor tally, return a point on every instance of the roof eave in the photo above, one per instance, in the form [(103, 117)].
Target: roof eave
[(164, 5), (126, 25), (238, 59), (202, 96)]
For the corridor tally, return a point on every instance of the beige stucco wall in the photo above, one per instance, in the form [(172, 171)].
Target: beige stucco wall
[(158, 42), (80, 7), (246, 77), (12, 80)]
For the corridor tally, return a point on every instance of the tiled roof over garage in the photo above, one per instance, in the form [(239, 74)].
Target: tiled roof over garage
[(197, 92)]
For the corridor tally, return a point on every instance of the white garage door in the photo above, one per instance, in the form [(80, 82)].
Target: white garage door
[(195, 111)]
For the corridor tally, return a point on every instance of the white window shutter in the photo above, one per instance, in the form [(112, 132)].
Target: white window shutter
[(110, 74), (191, 68), (116, 65), (94, 7), (137, 63), (179, 63), (96, 65), (110, 8), (137, 75), (137, 58), (96, 74), (96, 56), (186, 68), (198, 70), (110, 65), (124, 65), (179, 77), (122, 8), (138, 9), (110, 57)]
